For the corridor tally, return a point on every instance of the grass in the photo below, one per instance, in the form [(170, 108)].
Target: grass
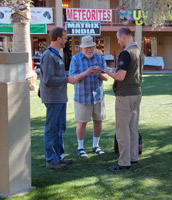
[(89, 179)]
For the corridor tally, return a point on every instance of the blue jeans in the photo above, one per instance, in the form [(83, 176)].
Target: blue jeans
[(55, 126)]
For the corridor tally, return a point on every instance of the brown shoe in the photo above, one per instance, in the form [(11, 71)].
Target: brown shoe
[(66, 161), (57, 166)]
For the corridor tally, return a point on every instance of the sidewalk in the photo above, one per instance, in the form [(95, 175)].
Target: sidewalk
[(158, 72)]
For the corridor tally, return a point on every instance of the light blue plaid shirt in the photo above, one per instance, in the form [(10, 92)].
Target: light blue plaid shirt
[(89, 90)]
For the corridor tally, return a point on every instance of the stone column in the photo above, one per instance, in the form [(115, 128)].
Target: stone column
[(138, 32), (59, 18), (59, 13), (138, 35), (15, 140)]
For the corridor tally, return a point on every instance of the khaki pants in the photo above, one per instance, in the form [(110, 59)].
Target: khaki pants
[(85, 113), (127, 117)]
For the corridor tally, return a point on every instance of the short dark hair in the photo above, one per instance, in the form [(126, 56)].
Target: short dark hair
[(124, 31), (56, 32)]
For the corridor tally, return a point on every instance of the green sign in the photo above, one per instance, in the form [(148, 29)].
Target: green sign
[(34, 28), (38, 28), (6, 28)]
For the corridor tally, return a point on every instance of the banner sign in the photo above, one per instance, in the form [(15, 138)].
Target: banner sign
[(77, 14), (126, 15), (6, 28), (83, 28), (34, 28), (38, 29), (136, 16), (38, 15), (41, 15)]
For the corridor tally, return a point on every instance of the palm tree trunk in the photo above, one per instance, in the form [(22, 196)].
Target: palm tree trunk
[(22, 43)]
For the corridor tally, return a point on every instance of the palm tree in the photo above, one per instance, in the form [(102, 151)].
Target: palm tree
[(20, 18)]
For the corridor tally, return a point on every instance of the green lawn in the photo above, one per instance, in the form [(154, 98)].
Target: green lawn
[(88, 178)]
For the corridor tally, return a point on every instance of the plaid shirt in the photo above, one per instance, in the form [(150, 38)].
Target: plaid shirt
[(89, 90)]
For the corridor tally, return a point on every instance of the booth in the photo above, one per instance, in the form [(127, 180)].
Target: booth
[(153, 63)]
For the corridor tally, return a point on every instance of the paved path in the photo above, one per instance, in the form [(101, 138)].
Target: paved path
[(158, 72)]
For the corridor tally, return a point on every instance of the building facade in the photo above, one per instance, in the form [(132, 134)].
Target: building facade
[(155, 43)]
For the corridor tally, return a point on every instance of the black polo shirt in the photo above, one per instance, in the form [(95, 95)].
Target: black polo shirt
[(124, 60)]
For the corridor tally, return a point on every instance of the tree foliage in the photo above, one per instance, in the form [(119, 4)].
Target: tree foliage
[(158, 12)]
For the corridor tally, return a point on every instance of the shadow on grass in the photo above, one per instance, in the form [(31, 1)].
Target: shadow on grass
[(157, 84), (153, 165)]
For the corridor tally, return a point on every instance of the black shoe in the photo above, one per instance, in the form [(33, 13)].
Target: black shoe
[(81, 153), (98, 150), (134, 162), (66, 161), (117, 168)]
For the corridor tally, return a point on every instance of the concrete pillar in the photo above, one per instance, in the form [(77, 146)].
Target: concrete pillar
[(138, 35), (138, 32), (47, 3), (5, 44), (59, 18), (15, 141), (59, 13)]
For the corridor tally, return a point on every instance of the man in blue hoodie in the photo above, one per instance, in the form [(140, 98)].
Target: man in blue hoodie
[(53, 92)]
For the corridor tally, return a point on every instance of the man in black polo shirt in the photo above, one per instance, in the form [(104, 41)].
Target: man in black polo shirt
[(127, 89)]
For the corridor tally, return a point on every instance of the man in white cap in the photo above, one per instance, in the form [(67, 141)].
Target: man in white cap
[(87, 67)]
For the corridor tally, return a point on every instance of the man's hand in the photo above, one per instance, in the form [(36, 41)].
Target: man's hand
[(118, 76), (98, 70), (101, 74), (107, 71), (91, 70), (78, 77), (72, 79)]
